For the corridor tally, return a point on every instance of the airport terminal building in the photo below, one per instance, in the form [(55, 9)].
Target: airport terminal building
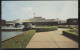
[(42, 21), (39, 21)]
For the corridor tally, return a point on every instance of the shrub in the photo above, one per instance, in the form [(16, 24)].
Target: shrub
[(62, 26), (19, 41), (72, 31), (42, 29), (71, 35)]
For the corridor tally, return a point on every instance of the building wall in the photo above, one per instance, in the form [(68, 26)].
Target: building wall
[(72, 21), (3, 22), (44, 23)]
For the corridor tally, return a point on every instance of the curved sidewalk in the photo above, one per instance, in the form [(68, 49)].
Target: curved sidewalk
[(51, 39)]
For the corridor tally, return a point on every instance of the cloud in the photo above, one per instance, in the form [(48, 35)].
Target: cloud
[(27, 9)]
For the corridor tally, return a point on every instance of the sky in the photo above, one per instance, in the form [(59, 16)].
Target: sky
[(12, 10)]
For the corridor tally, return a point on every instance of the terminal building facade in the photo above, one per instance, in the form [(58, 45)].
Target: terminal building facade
[(72, 21), (42, 21)]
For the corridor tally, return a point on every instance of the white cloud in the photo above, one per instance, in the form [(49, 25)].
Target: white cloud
[(27, 9)]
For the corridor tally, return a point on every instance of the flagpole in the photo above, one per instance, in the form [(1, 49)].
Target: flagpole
[(34, 14)]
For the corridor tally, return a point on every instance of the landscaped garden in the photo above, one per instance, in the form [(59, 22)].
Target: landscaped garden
[(23, 39), (72, 33), (19, 41)]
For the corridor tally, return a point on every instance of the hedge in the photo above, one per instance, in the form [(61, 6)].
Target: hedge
[(43, 29), (72, 35), (66, 27), (19, 41), (62, 27)]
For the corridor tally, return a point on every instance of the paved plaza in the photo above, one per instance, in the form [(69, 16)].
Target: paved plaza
[(51, 39)]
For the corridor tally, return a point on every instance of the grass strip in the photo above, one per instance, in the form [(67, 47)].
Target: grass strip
[(19, 41)]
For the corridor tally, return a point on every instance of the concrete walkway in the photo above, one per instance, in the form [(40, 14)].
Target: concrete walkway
[(51, 39)]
